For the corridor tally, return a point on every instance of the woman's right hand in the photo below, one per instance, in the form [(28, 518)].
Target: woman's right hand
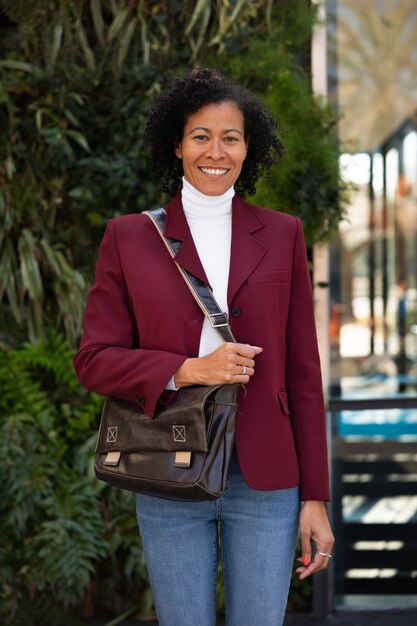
[(223, 366)]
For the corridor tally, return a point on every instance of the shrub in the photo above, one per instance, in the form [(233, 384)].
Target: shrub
[(68, 543)]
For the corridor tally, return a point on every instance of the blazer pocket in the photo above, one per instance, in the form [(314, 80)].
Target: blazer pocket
[(283, 400), (279, 276)]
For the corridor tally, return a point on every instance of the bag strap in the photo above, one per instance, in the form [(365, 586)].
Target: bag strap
[(202, 294)]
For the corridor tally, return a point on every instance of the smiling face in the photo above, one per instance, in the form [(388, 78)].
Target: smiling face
[(213, 148)]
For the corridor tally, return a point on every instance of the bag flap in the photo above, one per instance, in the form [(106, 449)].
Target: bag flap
[(181, 425)]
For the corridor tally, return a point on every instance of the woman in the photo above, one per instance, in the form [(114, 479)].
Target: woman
[(144, 337)]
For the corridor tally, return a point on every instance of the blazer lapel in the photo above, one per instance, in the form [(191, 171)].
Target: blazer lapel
[(246, 251), (176, 227)]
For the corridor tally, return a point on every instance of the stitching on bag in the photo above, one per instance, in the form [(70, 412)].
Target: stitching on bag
[(112, 434), (179, 433)]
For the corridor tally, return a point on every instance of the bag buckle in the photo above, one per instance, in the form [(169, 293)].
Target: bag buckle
[(219, 319)]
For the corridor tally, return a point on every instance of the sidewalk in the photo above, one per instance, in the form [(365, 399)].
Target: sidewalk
[(387, 617), (341, 617)]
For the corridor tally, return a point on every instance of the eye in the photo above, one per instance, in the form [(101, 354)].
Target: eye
[(231, 139), (200, 137)]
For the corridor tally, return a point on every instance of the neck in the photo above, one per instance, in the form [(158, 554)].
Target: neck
[(199, 205)]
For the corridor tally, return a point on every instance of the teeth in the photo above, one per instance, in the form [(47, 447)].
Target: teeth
[(209, 170)]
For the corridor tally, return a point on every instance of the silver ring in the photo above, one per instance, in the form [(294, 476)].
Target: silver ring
[(325, 554), (245, 370)]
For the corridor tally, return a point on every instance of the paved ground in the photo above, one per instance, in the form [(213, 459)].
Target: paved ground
[(390, 617), (406, 617)]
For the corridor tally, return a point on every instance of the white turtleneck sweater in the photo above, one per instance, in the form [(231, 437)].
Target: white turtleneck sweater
[(210, 221)]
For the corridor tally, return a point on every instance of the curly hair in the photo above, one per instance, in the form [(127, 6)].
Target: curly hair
[(167, 118)]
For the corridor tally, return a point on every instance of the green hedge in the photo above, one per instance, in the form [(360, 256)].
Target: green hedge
[(70, 544)]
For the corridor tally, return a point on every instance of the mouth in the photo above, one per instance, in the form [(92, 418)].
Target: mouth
[(214, 171)]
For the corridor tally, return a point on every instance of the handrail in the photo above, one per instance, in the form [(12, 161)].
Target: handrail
[(361, 404)]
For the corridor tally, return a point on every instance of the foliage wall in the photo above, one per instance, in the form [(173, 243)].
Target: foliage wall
[(67, 540), (77, 79)]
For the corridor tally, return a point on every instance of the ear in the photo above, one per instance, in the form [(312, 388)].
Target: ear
[(178, 151)]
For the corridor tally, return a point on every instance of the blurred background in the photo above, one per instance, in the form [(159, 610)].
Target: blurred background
[(77, 79), (371, 71)]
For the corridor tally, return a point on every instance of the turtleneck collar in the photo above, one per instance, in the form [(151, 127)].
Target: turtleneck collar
[(199, 206)]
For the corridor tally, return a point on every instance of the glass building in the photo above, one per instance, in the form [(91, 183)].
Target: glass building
[(372, 61)]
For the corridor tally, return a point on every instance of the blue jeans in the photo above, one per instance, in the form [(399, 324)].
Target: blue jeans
[(258, 531)]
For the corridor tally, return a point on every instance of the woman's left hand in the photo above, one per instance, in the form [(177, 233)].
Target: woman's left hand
[(314, 526)]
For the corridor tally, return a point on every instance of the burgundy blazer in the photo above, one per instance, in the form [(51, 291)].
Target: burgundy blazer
[(141, 323)]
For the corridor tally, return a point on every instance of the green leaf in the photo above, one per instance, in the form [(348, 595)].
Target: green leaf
[(118, 23), (38, 119), (124, 43), (98, 21), (71, 117), (29, 267), (50, 256), (87, 51), (237, 9), (79, 99), (79, 138), (201, 5), (13, 297), (17, 65), (6, 264), (31, 276), (10, 167), (56, 43)]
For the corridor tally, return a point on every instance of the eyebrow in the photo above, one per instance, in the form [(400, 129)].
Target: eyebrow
[(207, 130)]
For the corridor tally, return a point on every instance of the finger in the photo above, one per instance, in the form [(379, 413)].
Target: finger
[(322, 557), (316, 565), (305, 548), (242, 361), (244, 371), (304, 560), (306, 571), (246, 350), (319, 563)]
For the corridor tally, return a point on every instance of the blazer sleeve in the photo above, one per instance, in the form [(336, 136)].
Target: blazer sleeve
[(107, 361), (303, 380)]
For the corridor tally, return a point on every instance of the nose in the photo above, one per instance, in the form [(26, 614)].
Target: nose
[(215, 149)]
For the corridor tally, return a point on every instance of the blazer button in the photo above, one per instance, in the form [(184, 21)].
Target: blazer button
[(141, 400), (235, 311)]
